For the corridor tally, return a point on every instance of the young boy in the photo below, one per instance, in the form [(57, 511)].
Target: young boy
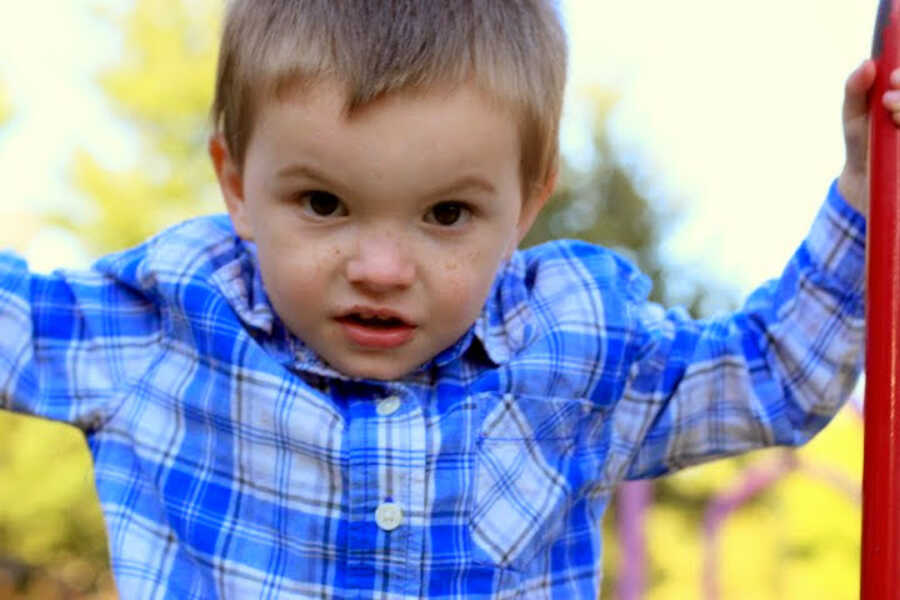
[(355, 386)]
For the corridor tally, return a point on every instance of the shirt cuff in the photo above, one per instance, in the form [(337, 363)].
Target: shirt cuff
[(837, 243)]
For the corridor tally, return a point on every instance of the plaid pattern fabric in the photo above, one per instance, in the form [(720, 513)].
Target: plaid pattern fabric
[(231, 462)]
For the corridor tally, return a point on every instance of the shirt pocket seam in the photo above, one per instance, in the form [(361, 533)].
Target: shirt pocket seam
[(518, 473)]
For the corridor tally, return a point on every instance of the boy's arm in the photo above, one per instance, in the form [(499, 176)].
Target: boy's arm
[(773, 373), (68, 342)]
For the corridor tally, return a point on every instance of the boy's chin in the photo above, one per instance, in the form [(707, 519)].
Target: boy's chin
[(380, 368)]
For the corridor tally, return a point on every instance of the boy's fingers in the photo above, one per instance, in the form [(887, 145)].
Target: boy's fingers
[(891, 99), (855, 91)]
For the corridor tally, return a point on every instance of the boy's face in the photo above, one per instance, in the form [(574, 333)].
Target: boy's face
[(379, 235)]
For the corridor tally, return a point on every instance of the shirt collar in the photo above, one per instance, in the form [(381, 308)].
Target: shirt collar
[(504, 326), (240, 282)]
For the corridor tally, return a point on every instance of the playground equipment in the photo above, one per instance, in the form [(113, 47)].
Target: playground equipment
[(880, 570)]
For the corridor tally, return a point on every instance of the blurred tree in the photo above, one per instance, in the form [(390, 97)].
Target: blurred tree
[(606, 203), (602, 203)]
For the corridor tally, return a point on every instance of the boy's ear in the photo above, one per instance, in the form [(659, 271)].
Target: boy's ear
[(232, 186), (533, 205)]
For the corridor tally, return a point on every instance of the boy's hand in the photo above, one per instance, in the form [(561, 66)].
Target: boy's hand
[(853, 182)]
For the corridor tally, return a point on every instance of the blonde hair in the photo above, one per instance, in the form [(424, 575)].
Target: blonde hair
[(514, 50)]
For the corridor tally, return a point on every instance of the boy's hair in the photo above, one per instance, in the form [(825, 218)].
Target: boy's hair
[(514, 50)]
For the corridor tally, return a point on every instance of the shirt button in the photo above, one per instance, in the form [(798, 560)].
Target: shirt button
[(388, 406), (388, 516)]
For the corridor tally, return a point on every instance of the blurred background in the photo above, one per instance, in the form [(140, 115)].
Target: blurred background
[(699, 138)]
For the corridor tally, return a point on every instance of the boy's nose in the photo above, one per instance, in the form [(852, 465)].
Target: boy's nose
[(381, 264)]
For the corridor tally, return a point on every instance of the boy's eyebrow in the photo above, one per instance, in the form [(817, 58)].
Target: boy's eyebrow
[(302, 170), (466, 183)]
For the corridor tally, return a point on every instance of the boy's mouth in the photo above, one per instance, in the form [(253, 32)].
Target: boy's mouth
[(376, 328), (377, 322)]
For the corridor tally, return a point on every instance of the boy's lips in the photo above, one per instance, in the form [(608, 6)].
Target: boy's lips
[(376, 328)]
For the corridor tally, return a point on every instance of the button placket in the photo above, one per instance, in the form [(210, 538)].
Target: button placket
[(387, 487)]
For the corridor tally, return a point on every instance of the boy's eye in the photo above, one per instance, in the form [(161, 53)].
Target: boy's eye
[(323, 204), (448, 214)]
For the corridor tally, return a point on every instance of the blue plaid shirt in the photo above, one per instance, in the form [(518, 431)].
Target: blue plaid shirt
[(231, 462)]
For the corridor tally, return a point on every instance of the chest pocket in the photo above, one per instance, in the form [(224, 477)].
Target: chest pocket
[(519, 491)]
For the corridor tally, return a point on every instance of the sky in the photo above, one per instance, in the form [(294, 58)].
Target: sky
[(729, 112)]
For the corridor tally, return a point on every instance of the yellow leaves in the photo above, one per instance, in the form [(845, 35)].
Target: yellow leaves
[(135, 204), (163, 87), (674, 551), (50, 464), (799, 538), (169, 68)]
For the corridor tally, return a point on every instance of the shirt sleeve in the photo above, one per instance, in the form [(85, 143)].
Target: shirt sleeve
[(68, 342), (773, 373)]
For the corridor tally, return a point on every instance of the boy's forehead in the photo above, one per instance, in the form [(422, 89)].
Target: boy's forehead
[(336, 97), (456, 127)]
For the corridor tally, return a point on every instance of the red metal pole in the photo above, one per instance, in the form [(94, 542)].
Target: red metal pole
[(880, 573)]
